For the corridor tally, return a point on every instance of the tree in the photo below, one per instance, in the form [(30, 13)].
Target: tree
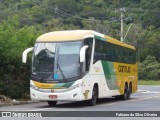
[(14, 40), (149, 69)]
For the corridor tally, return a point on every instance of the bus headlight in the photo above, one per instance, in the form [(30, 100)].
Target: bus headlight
[(34, 87), (75, 86)]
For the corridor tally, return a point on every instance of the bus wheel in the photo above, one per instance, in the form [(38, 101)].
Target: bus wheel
[(52, 103), (129, 92), (125, 95), (94, 98)]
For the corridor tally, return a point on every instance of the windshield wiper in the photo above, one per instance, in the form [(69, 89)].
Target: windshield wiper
[(61, 71)]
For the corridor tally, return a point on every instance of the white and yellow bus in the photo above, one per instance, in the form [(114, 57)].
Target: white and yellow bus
[(77, 65)]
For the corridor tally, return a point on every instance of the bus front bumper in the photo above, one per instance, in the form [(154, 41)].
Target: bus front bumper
[(72, 95)]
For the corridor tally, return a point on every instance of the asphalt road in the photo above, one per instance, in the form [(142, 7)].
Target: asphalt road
[(147, 98)]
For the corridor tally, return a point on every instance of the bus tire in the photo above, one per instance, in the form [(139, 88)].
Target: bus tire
[(128, 94), (94, 98), (52, 103), (129, 91), (125, 95)]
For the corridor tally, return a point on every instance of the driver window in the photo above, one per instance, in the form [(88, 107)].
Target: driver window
[(89, 42)]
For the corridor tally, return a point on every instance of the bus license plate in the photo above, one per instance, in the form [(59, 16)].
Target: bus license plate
[(53, 96)]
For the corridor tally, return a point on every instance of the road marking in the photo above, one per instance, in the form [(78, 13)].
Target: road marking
[(40, 109), (149, 92), (146, 91), (141, 90), (144, 98), (140, 99)]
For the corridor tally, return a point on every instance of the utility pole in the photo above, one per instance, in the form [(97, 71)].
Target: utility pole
[(122, 10)]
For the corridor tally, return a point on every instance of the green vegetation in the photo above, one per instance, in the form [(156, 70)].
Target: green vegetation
[(22, 21), (148, 82), (149, 69)]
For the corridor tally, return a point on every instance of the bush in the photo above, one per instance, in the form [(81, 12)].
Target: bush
[(149, 69), (14, 75)]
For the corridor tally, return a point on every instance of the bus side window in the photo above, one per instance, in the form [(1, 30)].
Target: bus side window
[(89, 42), (97, 53)]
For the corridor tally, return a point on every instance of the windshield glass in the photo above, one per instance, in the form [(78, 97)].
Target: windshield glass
[(56, 61), (68, 65), (44, 54)]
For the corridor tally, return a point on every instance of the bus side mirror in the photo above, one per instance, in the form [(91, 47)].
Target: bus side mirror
[(83, 53), (24, 55)]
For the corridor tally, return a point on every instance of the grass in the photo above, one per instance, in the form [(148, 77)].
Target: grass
[(149, 82)]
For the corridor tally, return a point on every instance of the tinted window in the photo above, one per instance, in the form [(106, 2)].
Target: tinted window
[(111, 52), (89, 42)]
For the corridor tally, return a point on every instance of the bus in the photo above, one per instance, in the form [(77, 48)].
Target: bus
[(81, 65)]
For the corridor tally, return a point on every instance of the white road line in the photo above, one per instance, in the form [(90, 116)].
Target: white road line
[(146, 91), (144, 98), (141, 90), (40, 109), (140, 99), (150, 92)]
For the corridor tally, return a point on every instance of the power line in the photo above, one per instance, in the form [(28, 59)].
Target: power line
[(55, 9), (61, 12)]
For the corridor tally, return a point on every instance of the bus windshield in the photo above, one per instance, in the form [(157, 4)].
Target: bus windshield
[(56, 61)]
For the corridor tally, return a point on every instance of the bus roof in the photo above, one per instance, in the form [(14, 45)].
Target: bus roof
[(117, 42), (68, 35), (75, 35)]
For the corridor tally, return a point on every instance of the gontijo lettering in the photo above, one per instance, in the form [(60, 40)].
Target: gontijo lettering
[(122, 68)]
